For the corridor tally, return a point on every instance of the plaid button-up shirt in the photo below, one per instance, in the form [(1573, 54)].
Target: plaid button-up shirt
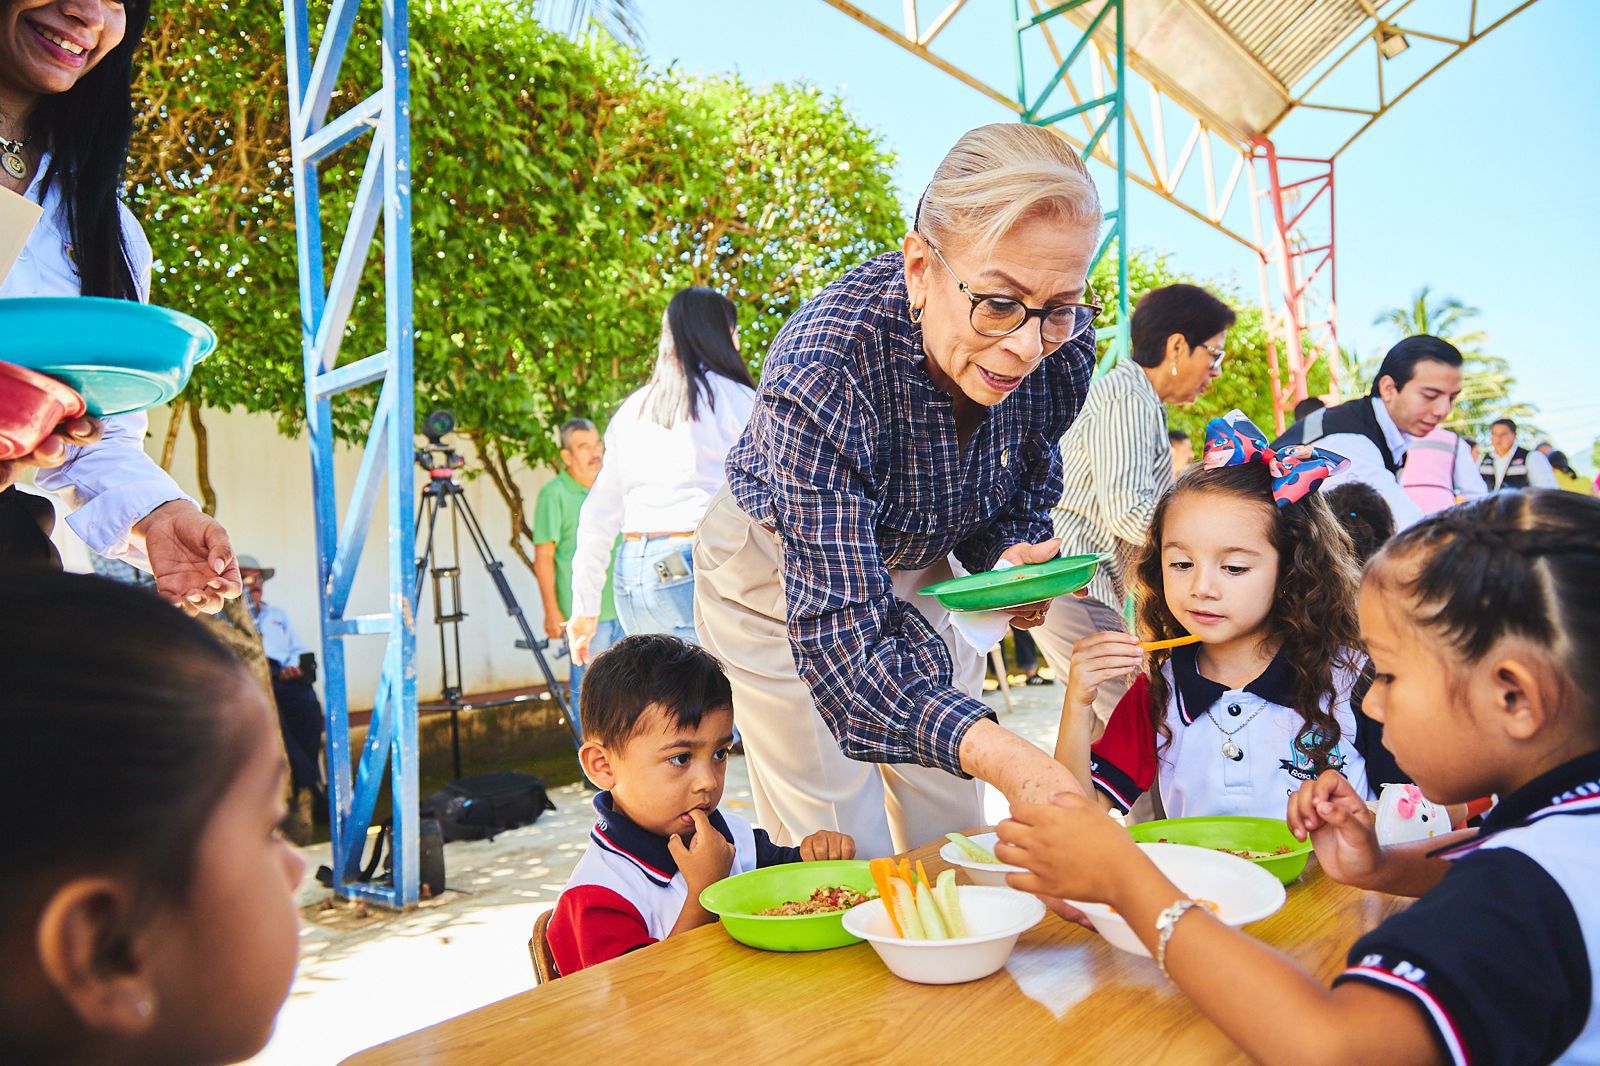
[(851, 456)]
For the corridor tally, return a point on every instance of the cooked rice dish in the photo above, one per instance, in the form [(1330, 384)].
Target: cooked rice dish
[(824, 900)]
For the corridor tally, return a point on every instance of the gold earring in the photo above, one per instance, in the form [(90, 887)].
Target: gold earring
[(916, 314)]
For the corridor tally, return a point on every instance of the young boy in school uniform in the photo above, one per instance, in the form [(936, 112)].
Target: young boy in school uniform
[(657, 726)]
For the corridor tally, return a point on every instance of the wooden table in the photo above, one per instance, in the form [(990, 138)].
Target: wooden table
[(1065, 995)]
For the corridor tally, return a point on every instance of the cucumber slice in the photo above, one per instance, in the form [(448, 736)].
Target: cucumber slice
[(973, 850), (928, 911), (950, 904), (905, 911)]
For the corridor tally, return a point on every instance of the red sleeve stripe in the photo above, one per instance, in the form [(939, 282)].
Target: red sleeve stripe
[(1442, 1022)]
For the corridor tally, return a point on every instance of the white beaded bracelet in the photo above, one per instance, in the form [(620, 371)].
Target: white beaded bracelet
[(1166, 922)]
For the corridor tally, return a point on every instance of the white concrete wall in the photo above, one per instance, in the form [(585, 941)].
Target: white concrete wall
[(263, 486)]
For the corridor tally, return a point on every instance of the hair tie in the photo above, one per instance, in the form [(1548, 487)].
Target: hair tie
[(1297, 471)]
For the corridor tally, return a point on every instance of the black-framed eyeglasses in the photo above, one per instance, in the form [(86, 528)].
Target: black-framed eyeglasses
[(1217, 354), (993, 315)]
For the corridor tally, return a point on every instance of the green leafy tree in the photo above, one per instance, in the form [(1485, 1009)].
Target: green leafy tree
[(562, 192), (1486, 382)]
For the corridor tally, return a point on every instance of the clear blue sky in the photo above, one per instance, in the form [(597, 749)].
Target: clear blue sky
[(1480, 183)]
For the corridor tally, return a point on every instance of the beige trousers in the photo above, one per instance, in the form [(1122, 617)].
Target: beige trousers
[(1070, 620), (800, 780)]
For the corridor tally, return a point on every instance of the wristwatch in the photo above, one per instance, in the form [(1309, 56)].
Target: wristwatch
[(1166, 922)]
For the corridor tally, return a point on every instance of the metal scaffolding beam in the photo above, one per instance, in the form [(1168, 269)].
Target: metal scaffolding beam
[(1224, 77), (1104, 111), (385, 189)]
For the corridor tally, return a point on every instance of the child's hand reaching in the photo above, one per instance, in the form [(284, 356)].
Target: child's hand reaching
[(705, 860), (1098, 658), (1340, 827), (826, 844), (1071, 849)]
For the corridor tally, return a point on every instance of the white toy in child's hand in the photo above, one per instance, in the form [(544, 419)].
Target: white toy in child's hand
[(1405, 814)]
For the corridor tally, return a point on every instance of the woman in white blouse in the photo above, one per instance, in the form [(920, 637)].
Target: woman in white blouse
[(65, 119), (665, 454)]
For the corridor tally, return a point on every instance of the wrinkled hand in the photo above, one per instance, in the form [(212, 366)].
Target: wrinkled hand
[(826, 844), (555, 625), (1069, 846), (580, 631), (1098, 658), (52, 451), (707, 857), (1028, 615), (1341, 828), (190, 556), (290, 673)]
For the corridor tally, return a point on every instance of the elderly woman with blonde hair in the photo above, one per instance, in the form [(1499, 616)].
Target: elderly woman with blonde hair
[(907, 414)]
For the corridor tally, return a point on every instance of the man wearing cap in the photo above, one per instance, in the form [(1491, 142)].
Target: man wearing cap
[(1411, 396), (299, 710)]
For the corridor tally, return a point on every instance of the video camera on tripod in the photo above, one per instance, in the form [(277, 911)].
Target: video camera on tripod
[(443, 463)]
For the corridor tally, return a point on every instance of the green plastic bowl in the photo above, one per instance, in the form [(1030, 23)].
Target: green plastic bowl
[(737, 899), (1233, 834), (1017, 585)]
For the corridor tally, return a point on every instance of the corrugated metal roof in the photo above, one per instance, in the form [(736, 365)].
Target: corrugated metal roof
[(1288, 37)]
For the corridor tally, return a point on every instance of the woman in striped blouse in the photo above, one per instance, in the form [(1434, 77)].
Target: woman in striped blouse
[(1117, 458)]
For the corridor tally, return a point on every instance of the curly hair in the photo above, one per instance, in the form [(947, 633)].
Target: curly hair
[(1507, 564), (1314, 609)]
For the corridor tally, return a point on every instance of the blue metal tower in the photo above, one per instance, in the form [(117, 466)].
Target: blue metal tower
[(385, 188)]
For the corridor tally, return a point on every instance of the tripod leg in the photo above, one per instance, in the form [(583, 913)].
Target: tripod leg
[(502, 585)]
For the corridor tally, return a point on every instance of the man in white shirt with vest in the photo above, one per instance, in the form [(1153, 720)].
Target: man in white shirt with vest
[(1510, 467), (1412, 394)]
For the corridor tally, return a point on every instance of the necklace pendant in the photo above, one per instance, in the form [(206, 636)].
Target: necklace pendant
[(13, 164), (1231, 751)]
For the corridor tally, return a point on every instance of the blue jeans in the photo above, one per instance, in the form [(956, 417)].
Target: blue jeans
[(654, 586), (606, 634)]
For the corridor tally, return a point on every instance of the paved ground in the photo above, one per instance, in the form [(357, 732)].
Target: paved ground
[(368, 976)]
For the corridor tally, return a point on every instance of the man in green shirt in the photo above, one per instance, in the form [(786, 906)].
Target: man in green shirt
[(555, 539)]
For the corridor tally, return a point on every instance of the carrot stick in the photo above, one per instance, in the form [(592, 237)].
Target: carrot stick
[(924, 875), (1175, 642), (883, 873), (905, 873)]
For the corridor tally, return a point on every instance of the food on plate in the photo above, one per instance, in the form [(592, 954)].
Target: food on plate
[(919, 908), (825, 900), (1281, 849), (972, 849)]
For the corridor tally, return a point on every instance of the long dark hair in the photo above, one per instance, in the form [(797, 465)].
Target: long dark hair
[(1506, 564), (122, 732), (696, 340), (86, 130), (1314, 608)]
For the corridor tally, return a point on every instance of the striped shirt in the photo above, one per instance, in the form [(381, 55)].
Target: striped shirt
[(851, 456), (1116, 465)]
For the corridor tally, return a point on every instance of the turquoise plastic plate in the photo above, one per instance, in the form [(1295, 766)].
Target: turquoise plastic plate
[(1017, 585), (120, 355)]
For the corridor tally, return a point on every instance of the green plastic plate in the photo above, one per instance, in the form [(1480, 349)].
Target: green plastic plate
[(736, 899), (1017, 585), (121, 356), (1233, 834)]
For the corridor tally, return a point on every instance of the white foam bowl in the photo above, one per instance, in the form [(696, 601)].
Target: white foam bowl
[(981, 873), (1242, 891), (994, 917)]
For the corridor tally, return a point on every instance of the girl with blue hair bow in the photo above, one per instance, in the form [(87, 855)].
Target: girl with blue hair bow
[(1247, 568)]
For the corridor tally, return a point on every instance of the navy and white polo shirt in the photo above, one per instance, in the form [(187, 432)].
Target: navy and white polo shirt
[(1502, 956), (1232, 751), (627, 892)]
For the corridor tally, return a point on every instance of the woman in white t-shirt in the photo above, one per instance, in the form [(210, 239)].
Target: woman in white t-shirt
[(66, 117), (666, 449)]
